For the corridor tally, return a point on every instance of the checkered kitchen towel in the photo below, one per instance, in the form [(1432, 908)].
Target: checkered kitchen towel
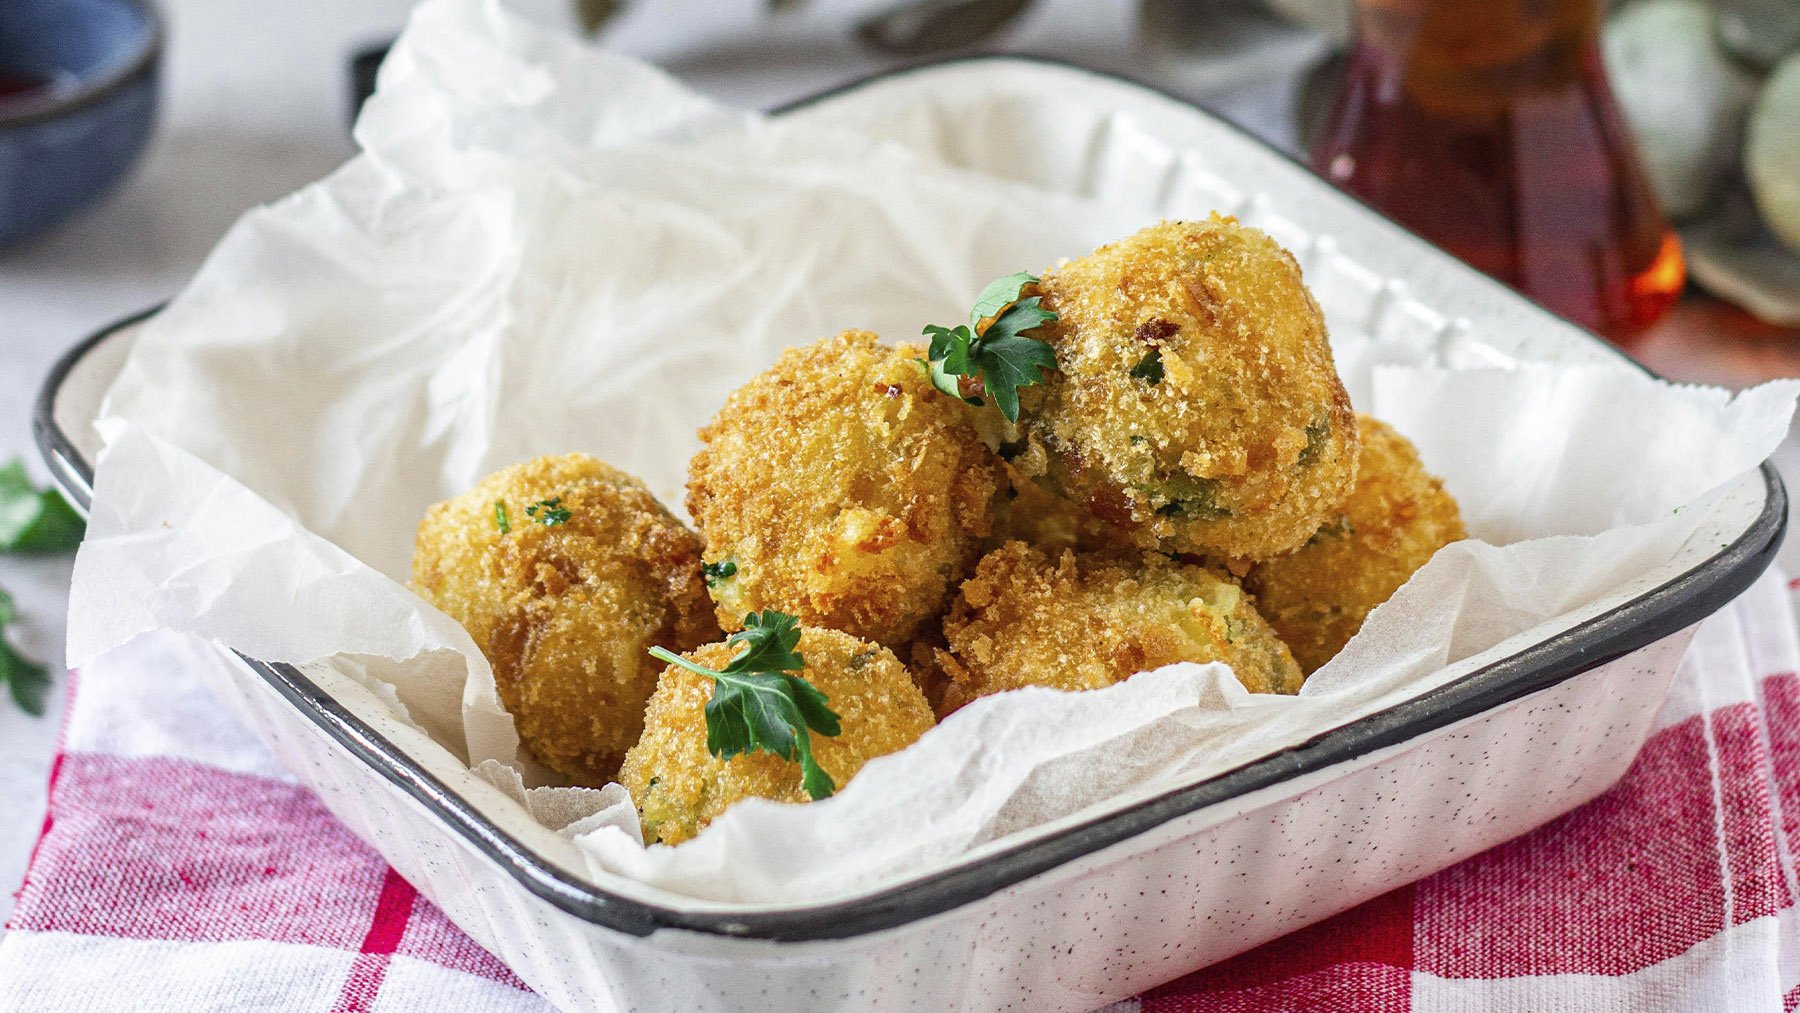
[(180, 869)]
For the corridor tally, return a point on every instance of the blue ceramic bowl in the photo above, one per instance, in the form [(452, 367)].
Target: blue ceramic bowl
[(78, 82)]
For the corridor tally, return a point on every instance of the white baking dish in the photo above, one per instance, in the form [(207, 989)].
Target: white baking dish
[(1097, 907)]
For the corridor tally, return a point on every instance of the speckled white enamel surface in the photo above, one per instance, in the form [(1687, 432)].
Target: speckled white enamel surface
[(1193, 890)]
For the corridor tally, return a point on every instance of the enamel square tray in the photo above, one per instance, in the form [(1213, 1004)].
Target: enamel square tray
[(1090, 909)]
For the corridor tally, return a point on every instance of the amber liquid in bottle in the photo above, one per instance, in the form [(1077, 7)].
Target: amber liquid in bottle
[(1486, 126)]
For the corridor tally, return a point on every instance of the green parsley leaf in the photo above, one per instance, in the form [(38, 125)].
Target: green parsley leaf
[(548, 512), (951, 358), (715, 572), (35, 521), (771, 637), (1001, 356), (501, 519), (759, 706), (1009, 360), (999, 294), (28, 681), (1149, 367)]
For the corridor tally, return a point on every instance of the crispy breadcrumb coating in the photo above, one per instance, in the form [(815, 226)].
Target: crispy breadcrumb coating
[(841, 487), (565, 612), (1195, 400), (920, 658), (1318, 596), (1084, 621), (680, 787), (1031, 513)]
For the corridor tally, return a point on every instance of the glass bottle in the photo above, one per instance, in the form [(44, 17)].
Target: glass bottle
[(1487, 127)]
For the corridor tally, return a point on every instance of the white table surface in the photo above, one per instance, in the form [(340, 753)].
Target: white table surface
[(255, 102)]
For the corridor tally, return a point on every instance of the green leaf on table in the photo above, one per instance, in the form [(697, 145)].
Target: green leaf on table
[(758, 705), (26, 680), (33, 520)]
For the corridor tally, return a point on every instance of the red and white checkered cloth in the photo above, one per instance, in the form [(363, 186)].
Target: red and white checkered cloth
[(180, 869)]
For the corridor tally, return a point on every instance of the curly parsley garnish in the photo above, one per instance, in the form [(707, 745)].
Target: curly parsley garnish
[(501, 519), (1000, 357), (548, 512), (757, 705), (715, 572)]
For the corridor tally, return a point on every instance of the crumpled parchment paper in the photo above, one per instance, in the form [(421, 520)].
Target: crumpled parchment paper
[(545, 248)]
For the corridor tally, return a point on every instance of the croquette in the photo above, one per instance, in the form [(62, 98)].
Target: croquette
[(1084, 621), (841, 487), (1318, 596), (680, 787), (1030, 512), (565, 571), (1195, 401)]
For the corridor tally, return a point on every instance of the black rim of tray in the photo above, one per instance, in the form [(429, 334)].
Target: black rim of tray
[(1660, 612)]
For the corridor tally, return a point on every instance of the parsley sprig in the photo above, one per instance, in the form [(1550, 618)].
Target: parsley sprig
[(759, 705), (999, 355)]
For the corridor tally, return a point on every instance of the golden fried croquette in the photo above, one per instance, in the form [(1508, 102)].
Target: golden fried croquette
[(1084, 621), (1195, 400), (679, 787), (920, 658), (1317, 596), (1031, 513), (589, 572), (841, 487)]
